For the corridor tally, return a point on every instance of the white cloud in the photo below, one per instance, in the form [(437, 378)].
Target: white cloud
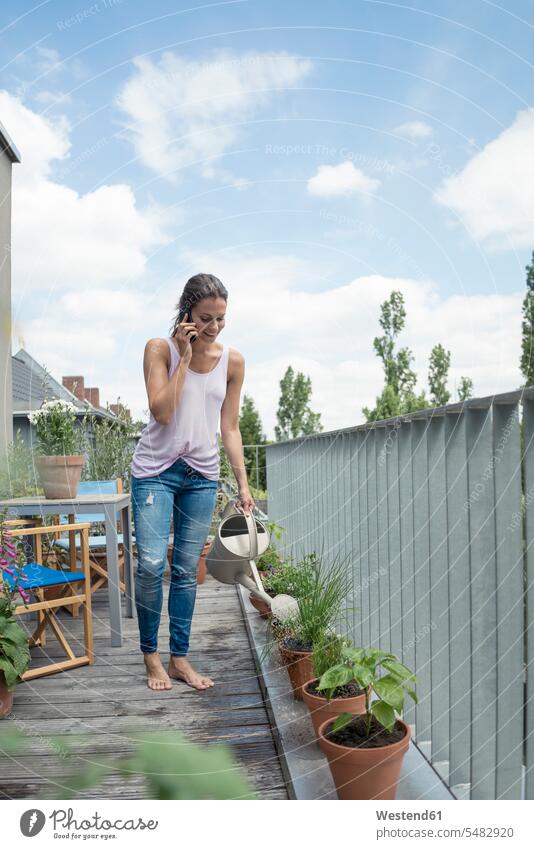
[(341, 180), (274, 320), (181, 112), (63, 239), (414, 130), (493, 194)]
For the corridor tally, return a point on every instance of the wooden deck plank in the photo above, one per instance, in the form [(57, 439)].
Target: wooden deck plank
[(100, 708)]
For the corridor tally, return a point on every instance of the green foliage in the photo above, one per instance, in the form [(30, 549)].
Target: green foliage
[(55, 428), (288, 577), (325, 591), (362, 666), (109, 446), (327, 652), (18, 475), (465, 389), (14, 651), (399, 395), (171, 766), (438, 374), (294, 415), (253, 435), (527, 338)]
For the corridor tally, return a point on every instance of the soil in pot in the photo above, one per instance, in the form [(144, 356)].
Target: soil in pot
[(293, 644), (348, 698), (346, 691), (354, 734)]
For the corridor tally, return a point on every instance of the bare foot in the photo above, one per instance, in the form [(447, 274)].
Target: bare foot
[(180, 668), (157, 677)]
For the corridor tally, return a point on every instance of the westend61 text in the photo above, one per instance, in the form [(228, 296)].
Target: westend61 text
[(408, 815)]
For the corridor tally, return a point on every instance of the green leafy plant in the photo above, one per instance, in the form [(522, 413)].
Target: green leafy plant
[(327, 652), (321, 590), (288, 577), (362, 666), (109, 446), (14, 651), (171, 767), (18, 476), (55, 428)]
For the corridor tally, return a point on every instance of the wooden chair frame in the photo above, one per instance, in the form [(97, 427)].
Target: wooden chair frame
[(46, 608)]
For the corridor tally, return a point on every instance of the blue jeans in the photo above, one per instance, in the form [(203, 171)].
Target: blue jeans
[(190, 497)]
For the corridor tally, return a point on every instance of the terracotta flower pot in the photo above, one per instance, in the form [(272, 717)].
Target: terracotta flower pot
[(6, 697), (321, 709), (201, 570), (365, 773), (261, 606), (60, 476), (299, 668)]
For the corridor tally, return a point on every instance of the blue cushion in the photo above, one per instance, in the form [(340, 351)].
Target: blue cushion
[(43, 576), (94, 542), (104, 487)]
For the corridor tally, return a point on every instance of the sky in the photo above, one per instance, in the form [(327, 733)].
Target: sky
[(312, 156)]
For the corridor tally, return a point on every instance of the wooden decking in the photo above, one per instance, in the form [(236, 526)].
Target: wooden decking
[(98, 706)]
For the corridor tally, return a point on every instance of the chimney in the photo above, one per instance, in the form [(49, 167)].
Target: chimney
[(69, 381), (92, 394), (116, 409)]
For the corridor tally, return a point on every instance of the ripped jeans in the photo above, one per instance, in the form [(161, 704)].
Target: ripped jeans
[(190, 497)]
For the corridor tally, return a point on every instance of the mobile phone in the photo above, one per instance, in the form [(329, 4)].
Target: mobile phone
[(188, 317)]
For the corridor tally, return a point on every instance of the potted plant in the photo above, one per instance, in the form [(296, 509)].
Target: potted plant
[(332, 690), (277, 576), (365, 751), (320, 593), (14, 651), (58, 463)]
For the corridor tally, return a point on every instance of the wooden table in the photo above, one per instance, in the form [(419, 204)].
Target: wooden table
[(109, 505)]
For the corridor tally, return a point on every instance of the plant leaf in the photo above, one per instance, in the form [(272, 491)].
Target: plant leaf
[(390, 691), (399, 670), (341, 720), (384, 713), (363, 675)]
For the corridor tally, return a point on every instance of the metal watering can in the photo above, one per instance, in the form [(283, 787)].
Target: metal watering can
[(240, 538)]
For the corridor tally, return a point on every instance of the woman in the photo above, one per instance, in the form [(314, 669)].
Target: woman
[(190, 379)]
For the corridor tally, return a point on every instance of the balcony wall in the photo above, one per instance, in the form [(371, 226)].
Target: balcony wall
[(435, 514)]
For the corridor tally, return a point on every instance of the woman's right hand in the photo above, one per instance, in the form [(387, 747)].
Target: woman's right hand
[(186, 330)]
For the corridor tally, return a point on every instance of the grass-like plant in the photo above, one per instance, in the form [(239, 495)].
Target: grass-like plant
[(324, 595)]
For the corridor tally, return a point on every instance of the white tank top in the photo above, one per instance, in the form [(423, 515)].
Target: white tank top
[(192, 431)]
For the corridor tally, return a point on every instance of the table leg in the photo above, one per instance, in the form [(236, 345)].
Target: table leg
[(114, 593), (128, 558)]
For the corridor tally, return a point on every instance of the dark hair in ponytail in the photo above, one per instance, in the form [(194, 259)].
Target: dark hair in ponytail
[(197, 287)]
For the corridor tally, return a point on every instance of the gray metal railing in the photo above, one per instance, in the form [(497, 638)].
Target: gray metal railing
[(435, 514)]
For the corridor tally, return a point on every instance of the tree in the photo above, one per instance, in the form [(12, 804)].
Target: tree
[(438, 374), (465, 389), (294, 416), (527, 340), (398, 395), (252, 434)]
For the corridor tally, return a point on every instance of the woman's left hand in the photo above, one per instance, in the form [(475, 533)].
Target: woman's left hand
[(245, 501)]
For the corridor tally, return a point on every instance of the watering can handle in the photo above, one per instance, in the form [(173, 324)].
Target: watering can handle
[(252, 534)]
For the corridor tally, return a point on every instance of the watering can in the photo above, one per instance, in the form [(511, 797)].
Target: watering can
[(240, 538)]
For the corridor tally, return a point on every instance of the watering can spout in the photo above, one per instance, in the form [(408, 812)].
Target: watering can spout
[(282, 606)]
